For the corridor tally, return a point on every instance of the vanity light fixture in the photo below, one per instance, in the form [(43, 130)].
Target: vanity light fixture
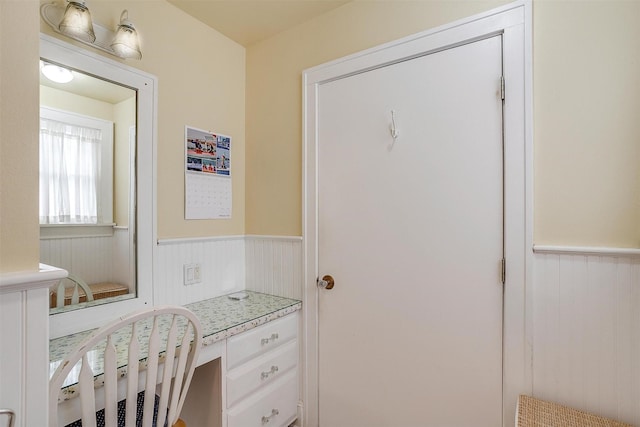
[(56, 73), (125, 43), (74, 21)]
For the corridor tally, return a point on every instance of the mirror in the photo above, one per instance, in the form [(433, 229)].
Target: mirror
[(97, 193), (87, 184)]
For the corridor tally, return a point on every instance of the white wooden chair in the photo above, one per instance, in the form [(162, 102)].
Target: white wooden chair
[(78, 284), (159, 347)]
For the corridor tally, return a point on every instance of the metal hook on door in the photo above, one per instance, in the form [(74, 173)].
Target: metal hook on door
[(394, 129), (11, 415)]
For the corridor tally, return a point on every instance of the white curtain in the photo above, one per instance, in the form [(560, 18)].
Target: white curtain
[(69, 173)]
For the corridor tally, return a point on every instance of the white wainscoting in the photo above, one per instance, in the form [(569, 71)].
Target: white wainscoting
[(270, 264), (24, 343), (586, 329), (274, 265), (90, 258), (222, 263)]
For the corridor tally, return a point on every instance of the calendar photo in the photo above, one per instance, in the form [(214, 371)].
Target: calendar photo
[(207, 152)]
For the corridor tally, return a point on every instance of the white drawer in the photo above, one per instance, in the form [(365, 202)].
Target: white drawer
[(250, 344), (261, 371), (273, 406)]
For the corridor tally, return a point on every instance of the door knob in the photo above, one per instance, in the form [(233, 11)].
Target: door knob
[(326, 282)]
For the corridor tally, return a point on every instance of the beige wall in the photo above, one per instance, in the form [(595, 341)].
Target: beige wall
[(201, 83), (19, 228), (201, 78), (587, 127), (274, 93), (62, 100), (586, 92)]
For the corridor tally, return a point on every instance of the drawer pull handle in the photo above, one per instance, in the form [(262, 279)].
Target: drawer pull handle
[(273, 337), (266, 419), (265, 374)]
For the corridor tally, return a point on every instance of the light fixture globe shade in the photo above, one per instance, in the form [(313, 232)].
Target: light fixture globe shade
[(57, 74), (76, 22), (125, 43)]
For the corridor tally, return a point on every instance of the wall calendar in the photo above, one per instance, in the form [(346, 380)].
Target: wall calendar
[(207, 175)]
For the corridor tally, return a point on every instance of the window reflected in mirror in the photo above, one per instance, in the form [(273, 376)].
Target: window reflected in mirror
[(87, 186)]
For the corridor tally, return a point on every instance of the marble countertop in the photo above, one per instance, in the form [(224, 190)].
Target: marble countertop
[(221, 317)]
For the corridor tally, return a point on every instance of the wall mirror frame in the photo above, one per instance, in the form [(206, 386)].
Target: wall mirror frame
[(145, 85)]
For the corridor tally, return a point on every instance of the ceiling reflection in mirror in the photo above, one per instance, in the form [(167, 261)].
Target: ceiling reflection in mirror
[(87, 186)]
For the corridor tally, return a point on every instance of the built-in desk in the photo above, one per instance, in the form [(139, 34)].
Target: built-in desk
[(221, 318)]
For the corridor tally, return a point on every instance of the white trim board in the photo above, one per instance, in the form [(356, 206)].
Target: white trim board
[(60, 52), (586, 250), (514, 23), (44, 277), (283, 238), (179, 240)]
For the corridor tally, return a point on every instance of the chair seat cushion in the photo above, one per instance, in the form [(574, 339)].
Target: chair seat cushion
[(122, 413)]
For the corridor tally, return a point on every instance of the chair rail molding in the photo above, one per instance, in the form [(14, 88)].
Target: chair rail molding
[(586, 250)]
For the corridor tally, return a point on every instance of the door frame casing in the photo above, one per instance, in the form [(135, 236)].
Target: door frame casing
[(514, 22)]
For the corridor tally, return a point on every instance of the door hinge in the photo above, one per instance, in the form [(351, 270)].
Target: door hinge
[(503, 272), (502, 87)]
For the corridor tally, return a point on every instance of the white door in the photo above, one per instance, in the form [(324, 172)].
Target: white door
[(412, 233)]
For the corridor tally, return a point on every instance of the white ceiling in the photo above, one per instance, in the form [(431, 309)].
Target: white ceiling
[(91, 87), (250, 21)]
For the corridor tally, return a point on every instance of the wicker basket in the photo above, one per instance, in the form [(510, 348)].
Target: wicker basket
[(534, 412), (99, 290)]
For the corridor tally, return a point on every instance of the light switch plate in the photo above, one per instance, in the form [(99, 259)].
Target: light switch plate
[(192, 274)]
